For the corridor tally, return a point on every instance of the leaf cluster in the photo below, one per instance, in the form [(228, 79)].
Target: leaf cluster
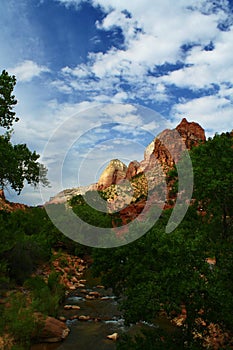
[(18, 163)]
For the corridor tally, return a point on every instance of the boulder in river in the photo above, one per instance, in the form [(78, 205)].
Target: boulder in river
[(89, 297), (71, 307), (84, 318), (95, 294), (113, 336), (53, 330)]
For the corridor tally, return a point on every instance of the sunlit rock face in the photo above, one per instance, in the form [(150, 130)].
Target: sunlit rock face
[(192, 133), (113, 174), (159, 156), (167, 147), (66, 195)]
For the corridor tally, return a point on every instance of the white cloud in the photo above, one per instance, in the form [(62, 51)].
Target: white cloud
[(213, 113), (27, 70), (61, 86), (120, 97), (154, 34), (126, 129), (206, 67), (117, 18), (80, 71), (69, 3)]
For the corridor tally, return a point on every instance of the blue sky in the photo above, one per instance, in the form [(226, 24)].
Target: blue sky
[(71, 56)]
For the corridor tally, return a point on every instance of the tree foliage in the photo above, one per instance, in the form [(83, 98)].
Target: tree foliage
[(7, 100), (87, 213), (213, 172), (18, 163), (168, 272)]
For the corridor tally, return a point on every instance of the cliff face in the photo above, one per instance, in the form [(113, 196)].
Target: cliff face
[(159, 157), (191, 133), (165, 150), (113, 174), (9, 206), (132, 170), (168, 146)]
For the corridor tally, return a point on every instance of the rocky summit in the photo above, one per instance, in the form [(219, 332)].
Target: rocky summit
[(168, 146), (165, 150), (112, 174), (66, 195), (159, 157)]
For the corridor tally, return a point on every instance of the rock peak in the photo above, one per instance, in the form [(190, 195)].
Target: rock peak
[(184, 121), (192, 133), (114, 173), (117, 163)]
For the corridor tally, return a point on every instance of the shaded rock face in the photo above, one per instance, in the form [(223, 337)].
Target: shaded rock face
[(2, 195), (163, 148), (191, 133), (132, 169), (113, 174)]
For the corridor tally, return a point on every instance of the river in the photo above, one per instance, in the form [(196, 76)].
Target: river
[(105, 319)]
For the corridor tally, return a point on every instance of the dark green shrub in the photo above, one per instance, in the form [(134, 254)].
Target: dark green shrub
[(23, 258), (46, 297), (19, 320)]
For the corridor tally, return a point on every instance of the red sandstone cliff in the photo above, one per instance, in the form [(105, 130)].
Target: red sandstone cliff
[(9, 206), (159, 157), (169, 145), (166, 150)]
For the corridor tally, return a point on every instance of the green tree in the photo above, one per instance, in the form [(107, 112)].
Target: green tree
[(160, 272), (7, 100), (87, 213), (213, 181), (170, 271), (18, 163)]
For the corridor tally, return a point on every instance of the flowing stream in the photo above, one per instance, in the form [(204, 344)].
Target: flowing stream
[(105, 319)]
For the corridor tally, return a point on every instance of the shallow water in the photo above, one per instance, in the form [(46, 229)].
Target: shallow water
[(105, 316), (105, 319)]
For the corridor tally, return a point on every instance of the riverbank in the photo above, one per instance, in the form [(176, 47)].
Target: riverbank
[(31, 311), (89, 310)]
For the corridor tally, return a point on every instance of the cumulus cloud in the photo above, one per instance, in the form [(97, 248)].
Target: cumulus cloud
[(214, 113), (27, 70), (157, 34)]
